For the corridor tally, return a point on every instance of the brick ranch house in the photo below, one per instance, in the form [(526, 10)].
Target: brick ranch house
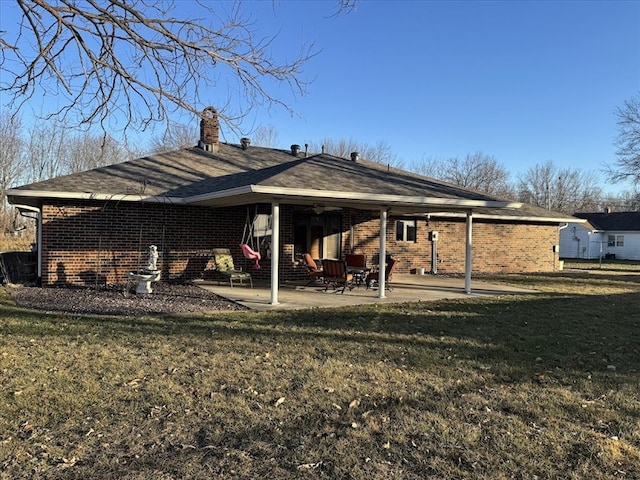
[(96, 226)]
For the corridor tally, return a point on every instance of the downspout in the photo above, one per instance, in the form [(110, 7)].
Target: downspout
[(561, 227), (38, 219)]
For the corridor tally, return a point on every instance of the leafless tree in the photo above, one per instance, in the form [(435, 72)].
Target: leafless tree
[(135, 61), (265, 136), (46, 148), (476, 171), (86, 151), (52, 149), (177, 136), (625, 201), (429, 167), (561, 190), (11, 155), (380, 152), (627, 165)]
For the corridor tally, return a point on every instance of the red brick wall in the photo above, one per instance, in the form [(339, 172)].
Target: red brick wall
[(108, 240), (497, 247), (85, 242)]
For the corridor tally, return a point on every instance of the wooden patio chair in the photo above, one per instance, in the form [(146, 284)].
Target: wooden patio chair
[(356, 260), (315, 273), (335, 273), (225, 270), (388, 275)]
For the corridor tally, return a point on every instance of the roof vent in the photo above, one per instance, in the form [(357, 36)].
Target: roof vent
[(245, 142), (355, 156), (295, 150)]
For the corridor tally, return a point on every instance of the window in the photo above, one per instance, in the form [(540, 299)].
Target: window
[(319, 235), (406, 230), (615, 241)]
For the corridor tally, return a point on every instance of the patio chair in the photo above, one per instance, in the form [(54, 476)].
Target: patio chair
[(335, 273), (225, 270), (357, 265), (388, 275), (316, 273)]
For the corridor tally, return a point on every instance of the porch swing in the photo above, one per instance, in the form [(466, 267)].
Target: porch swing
[(247, 244)]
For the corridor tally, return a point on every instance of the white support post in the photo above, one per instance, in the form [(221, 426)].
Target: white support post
[(275, 252), (468, 257), (383, 254)]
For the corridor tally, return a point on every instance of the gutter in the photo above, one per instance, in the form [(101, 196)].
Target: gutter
[(91, 196), (274, 192), (526, 218), (381, 199)]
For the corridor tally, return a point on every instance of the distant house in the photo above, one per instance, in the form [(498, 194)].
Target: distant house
[(96, 226), (607, 234)]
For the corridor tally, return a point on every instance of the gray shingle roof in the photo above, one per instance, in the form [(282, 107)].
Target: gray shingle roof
[(188, 173), (614, 221)]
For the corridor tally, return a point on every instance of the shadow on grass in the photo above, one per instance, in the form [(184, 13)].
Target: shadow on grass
[(585, 332), (508, 339), (534, 280)]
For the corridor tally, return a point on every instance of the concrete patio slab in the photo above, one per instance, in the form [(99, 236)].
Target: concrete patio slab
[(406, 288)]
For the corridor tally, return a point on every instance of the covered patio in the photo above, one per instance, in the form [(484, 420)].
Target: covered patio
[(406, 288)]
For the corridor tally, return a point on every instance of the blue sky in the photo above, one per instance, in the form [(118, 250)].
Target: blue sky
[(526, 82)]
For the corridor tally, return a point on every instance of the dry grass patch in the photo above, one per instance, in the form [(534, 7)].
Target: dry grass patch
[(542, 386)]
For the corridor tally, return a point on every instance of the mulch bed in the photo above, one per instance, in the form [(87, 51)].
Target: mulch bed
[(166, 298)]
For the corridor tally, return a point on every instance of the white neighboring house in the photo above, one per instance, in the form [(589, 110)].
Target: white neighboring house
[(606, 234)]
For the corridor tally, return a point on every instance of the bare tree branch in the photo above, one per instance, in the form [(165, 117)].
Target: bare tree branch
[(476, 171), (134, 61), (11, 154), (627, 165), (560, 190), (380, 152)]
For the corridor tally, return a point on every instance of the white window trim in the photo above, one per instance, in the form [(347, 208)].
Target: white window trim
[(406, 223)]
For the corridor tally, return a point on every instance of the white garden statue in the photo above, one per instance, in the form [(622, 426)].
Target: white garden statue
[(147, 275), (152, 262)]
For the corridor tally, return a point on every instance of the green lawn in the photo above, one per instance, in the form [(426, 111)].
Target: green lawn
[(532, 386)]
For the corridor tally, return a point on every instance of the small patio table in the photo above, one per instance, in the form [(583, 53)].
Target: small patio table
[(359, 274)]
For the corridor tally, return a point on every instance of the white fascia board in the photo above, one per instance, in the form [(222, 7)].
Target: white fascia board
[(278, 192), (369, 198), (526, 218), (232, 192), (17, 193)]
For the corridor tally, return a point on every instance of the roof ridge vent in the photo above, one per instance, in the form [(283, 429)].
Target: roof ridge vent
[(245, 142), (295, 149), (355, 156)]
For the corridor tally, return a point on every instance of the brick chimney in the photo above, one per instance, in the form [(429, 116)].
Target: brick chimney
[(209, 130)]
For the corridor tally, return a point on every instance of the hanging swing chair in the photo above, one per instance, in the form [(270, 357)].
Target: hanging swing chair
[(247, 242)]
